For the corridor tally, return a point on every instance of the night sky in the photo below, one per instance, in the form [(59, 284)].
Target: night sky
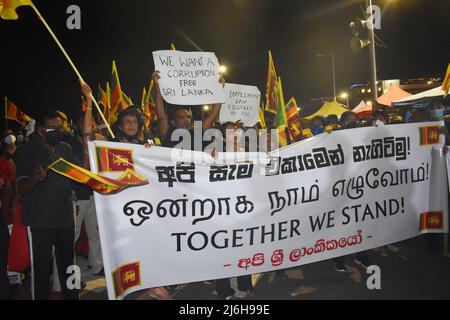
[(35, 75)]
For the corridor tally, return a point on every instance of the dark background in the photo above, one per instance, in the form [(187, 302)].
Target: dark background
[(35, 75)]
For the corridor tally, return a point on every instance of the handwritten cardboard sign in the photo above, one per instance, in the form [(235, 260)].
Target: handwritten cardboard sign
[(189, 78), (241, 104)]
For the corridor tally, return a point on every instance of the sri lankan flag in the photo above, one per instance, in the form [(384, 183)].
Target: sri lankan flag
[(144, 96), (65, 119), (432, 221), (446, 83), (103, 100), (272, 96), (114, 160), (282, 136), (293, 119), (126, 277), (307, 133), (430, 135), (280, 118), (262, 119), (94, 124), (127, 102), (107, 111), (102, 185), (145, 108), (150, 106), (12, 112), (8, 8), (129, 179), (116, 98)]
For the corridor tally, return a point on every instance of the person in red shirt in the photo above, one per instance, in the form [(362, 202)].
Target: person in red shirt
[(8, 175), (7, 178)]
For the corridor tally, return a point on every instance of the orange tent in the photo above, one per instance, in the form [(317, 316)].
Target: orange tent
[(394, 93), (362, 109)]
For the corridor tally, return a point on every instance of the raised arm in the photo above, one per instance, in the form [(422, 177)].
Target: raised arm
[(210, 119), (163, 122), (87, 124)]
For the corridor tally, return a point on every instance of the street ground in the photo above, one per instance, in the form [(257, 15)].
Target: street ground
[(413, 269)]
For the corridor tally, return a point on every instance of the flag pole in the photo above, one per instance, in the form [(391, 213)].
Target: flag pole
[(80, 78)]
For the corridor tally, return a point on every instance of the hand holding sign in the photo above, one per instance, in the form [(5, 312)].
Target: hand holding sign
[(156, 77), (189, 78), (241, 104)]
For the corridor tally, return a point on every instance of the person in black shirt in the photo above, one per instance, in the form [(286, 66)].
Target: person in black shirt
[(349, 120), (181, 120), (85, 208), (47, 205)]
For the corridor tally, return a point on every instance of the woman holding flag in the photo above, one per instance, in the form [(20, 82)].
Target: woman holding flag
[(129, 128)]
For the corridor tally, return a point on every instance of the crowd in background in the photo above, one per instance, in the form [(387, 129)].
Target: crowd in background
[(55, 208)]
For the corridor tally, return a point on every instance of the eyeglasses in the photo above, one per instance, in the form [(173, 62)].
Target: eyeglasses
[(54, 128), (130, 122)]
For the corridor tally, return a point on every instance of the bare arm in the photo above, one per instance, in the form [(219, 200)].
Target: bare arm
[(87, 124), (210, 119), (163, 122)]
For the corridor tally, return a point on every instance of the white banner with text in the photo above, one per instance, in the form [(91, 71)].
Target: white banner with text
[(328, 196)]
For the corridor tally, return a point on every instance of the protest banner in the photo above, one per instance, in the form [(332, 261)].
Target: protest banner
[(241, 104), (189, 78), (447, 158), (325, 197)]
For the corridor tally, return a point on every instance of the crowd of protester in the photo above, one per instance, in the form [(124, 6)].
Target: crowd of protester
[(54, 208)]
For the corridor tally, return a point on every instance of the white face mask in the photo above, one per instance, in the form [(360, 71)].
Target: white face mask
[(30, 127), (379, 123), (10, 140), (20, 139)]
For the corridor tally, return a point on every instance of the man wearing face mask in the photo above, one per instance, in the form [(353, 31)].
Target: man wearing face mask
[(20, 138), (47, 205), (437, 113), (379, 118), (349, 120)]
